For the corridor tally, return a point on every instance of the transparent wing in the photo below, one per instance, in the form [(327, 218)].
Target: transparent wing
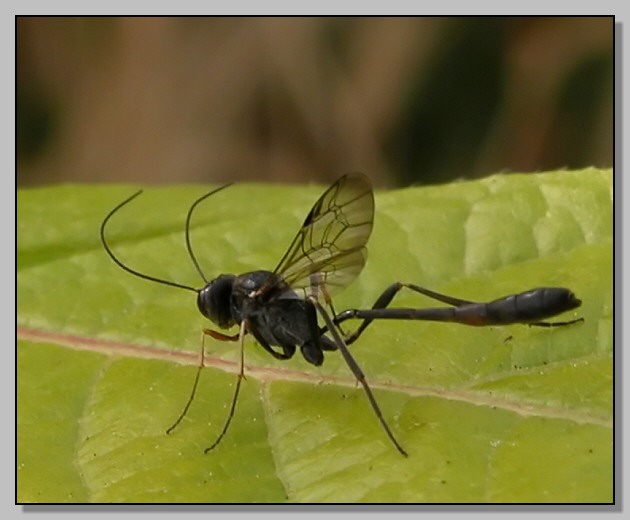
[(329, 250)]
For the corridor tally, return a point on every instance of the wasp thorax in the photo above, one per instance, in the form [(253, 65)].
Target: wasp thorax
[(213, 300)]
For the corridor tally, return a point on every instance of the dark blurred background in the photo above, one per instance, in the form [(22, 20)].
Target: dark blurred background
[(405, 100)]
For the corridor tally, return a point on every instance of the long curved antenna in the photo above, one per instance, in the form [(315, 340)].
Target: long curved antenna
[(188, 217), (129, 269)]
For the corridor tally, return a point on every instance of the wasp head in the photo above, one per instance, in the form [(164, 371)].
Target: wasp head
[(214, 301)]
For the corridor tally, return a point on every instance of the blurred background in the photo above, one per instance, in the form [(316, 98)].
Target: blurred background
[(404, 100)]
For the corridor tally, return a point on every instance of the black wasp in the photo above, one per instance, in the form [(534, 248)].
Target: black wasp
[(280, 308)]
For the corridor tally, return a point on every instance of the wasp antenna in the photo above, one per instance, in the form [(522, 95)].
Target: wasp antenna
[(187, 229), (121, 264)]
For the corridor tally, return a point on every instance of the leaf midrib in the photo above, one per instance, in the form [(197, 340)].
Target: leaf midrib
[(266, 374)]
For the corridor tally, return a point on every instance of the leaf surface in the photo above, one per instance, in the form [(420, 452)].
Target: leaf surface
[(502, 414)]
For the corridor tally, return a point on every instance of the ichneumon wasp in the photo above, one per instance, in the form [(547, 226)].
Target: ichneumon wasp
[(280, 308)]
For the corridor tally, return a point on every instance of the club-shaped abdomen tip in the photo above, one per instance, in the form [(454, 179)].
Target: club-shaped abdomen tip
[(561, 298), (573, 302)]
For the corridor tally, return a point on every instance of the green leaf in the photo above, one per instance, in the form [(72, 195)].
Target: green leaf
[(490, 414)]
